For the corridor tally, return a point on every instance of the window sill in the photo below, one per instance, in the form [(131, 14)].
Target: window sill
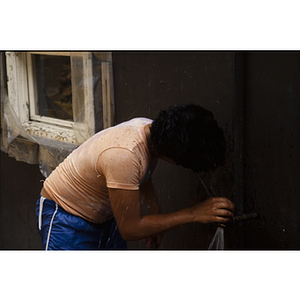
[(52, 132)]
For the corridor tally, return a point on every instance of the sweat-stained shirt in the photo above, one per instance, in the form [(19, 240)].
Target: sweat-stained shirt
[(117, 157)]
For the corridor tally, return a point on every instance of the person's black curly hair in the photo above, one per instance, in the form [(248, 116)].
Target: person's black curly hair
[(190, 136)]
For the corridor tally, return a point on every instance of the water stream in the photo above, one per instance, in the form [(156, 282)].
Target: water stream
[(217, 243)]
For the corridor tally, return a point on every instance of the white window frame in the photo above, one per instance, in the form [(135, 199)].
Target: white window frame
[(34, 116), (23, 98)]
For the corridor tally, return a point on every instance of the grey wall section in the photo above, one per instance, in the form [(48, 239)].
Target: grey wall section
[(147, 82), (19, 190), (272, 149)]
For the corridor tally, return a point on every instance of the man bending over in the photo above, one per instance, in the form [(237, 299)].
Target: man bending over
[(92, 200)]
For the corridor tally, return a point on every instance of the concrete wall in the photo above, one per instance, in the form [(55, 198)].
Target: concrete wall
[(147, 82), (20, 188), (272, 149)]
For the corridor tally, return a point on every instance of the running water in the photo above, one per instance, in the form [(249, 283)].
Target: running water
[(208, 193), (217, 242)]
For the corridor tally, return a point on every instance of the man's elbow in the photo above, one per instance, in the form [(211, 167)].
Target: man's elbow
[(129, 234)]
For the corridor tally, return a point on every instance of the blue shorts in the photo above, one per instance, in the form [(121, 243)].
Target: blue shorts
[(61, 230)]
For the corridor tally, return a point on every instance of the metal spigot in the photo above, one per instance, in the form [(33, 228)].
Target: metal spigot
[(244, 217)]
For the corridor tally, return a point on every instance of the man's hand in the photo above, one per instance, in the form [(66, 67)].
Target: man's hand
[(126, 205), (215, 209)]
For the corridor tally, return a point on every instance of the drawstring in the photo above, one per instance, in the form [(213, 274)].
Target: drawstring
[(50, 227), (41, 211)]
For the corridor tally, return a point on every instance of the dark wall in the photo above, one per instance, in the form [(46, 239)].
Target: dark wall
[(147, 82), (272, 149), (20, 188)]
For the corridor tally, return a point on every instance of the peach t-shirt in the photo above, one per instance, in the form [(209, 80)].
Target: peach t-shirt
[(117, 157)]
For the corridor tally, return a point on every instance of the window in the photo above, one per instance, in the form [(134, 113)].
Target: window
[(52, 93), (50, 87)]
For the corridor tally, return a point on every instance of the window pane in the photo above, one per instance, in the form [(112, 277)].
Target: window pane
[(54, 89)]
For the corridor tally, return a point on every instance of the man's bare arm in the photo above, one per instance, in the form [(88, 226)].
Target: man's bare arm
[(126, 205)]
